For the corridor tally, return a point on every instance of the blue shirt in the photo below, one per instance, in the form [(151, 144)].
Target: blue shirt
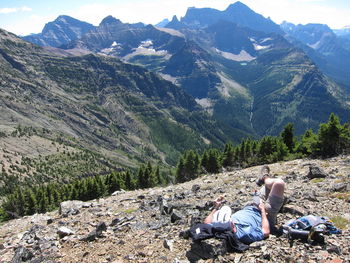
[(248, 224)]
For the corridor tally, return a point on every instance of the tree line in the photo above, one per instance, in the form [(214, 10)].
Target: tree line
[(332, 138), (47, 197)]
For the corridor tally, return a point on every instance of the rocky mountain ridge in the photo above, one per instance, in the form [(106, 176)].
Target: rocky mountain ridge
[(330, 51), (144, 225)]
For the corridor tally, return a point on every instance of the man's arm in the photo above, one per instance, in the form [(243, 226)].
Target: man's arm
[(209, 218), (264, 221), (217, 203)]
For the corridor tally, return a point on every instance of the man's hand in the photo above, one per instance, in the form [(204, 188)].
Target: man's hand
[(262, 207), (218, 201)]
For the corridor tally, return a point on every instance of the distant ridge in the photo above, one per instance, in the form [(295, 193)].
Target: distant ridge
[(237, 13)]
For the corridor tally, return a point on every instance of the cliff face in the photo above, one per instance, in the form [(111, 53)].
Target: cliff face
[(144, 225)]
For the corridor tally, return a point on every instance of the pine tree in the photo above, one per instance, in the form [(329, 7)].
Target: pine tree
[(344, 140), (158, 178), (180, 171), (307, 143), (288, 137), (213, 164), (129, 183), (188, 167), (329, 136), (30, 203), (141, 179), (228, 158)]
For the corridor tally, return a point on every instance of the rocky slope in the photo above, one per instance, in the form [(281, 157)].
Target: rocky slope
[(144, 226), (100, 101)]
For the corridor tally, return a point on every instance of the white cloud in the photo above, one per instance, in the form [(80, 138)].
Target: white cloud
[(8, 10)]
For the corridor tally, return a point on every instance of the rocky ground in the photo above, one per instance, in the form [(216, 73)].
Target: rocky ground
[(144, 225)]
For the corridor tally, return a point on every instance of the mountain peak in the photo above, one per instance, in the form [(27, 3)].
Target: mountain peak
[(175, 24), (175, 20), (237, 5), (110, 20)]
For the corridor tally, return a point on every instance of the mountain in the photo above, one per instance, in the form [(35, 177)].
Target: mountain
[(237, 13), (330, 52), (344, 32), (95, 112), (61, 31), (234, 63), (162, 23), (145, 225)]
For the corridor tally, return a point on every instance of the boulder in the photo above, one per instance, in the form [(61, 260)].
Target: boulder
[(70, 207), (64, 231), (316, 172)]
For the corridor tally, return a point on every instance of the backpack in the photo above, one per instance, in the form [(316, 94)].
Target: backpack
[(310, 228)]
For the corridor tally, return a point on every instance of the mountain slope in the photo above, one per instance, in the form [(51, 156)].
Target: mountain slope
[(265, 82), (330, 52), (121, 111)]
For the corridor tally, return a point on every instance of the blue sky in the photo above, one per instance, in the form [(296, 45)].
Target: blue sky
[(23, 17)]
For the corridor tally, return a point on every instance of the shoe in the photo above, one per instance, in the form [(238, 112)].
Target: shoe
[(265, 171)]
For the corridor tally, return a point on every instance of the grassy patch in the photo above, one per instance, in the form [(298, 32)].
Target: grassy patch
[(342, 196), (317, 180), (130, 210), (340, 175), (340, 222)]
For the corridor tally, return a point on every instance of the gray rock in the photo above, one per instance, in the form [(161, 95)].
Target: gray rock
[(195, 188), (200, 250), (340, 187), (22, 254), (316, 172), (311, 196), (70, 207), (176, 216), (164, 207), (64, 231), (101, 227), (294, 210), (168, 244)]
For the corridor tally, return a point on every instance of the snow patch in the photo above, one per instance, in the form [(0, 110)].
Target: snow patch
[(113, 49), (258, 45), (146, 48), (315, 45), (242, 56)]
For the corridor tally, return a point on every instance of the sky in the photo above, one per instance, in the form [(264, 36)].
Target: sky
[(24, 17)]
